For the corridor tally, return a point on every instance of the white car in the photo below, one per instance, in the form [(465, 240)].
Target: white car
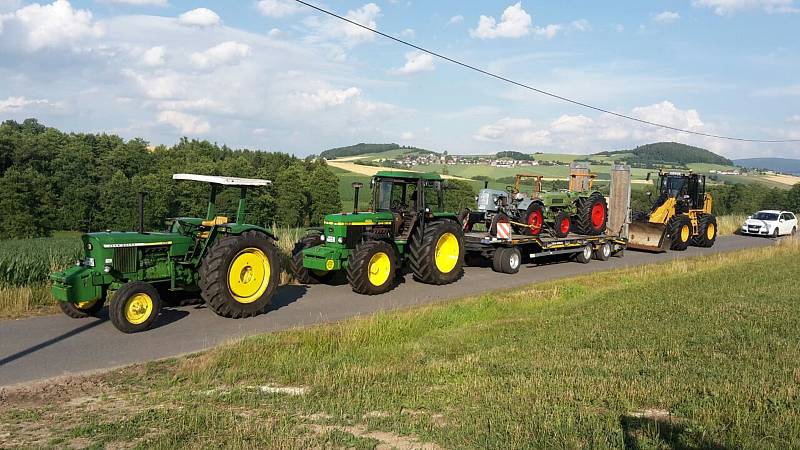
[(770, 222)]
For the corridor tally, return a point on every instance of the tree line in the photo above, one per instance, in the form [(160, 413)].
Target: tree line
[(50, 180)]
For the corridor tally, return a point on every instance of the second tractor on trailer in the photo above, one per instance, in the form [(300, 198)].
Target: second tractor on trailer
[(407, 226)]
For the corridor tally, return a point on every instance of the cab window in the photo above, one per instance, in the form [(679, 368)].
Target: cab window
[(433, 195)]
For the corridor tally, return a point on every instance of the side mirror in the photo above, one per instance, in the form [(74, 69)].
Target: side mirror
[(749, 217)]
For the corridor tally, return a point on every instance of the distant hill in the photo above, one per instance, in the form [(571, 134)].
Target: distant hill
[(668, 153), (784, 165), (515, 155), (363, 149)]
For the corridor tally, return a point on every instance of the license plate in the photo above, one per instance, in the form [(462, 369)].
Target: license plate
[(330, 238)]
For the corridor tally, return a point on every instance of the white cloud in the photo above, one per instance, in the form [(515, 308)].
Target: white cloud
[(456, 19), (17, 103), (329, 28), (140, 2), (548, 31), (666, 17), (793, 119), (580, 25), (275, 33), (153, 56), (619, 28), (666, 113), (162, 87), (366, 15), (724, 7), (571, 123), (226, 53), (408, 32), (417, 62), (278, 8), (54, 25), (187, 123), (326, 98), (514, 23), (199, 17), (407, 136), (514, 131)]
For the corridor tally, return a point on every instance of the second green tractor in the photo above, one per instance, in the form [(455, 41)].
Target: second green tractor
[(406, 227)]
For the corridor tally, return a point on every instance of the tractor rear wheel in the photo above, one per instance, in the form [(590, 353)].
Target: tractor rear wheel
[(82, 310), (680, 232), (437, 252), (303, 274), (134, 307), (592, 214), (706, 231), (562, 224), (534, 217), (240, 274), (372, 268)]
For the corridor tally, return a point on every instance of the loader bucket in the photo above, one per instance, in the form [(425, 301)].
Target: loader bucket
[(647, 236)]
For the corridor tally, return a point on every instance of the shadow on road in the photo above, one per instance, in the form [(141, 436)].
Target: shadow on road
[(22, 353), (287, 295)]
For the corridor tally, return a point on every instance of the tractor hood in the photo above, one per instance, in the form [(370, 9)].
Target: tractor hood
[(488, 199), (360, 218)]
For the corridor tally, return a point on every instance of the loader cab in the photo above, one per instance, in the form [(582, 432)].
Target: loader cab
[(687, 189)]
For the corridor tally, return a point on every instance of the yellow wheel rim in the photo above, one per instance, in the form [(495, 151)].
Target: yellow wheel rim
[(711, 231), (447, 252), (85, 305), (379, 267), (685, 233), (248, 275), (138, 308)]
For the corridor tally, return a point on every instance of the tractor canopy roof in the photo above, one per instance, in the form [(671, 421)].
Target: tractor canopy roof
[(221, 180), (408, 175)]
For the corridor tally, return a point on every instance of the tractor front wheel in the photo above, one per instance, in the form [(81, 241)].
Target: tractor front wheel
[(303, 274), (134, 307), (81, 310), (534, 217), (680, 232), (437, 253), (372, 268), (562, 224), (240, 274)]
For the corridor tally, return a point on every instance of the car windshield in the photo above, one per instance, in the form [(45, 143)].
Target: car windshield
[(761, 215)]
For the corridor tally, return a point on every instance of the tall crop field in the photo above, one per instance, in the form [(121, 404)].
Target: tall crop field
[(27, 261)]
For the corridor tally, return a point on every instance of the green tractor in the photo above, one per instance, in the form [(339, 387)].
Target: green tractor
[(234, 266), (406, 224)]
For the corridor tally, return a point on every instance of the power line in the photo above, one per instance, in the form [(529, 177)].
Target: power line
[(541, 91)]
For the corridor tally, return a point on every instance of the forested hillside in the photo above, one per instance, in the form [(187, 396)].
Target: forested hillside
[(50, 180), (668, 153), (363, 149)]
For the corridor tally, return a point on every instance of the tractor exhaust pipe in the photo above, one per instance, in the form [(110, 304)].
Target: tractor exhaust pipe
[(356, 186), (141, 212)]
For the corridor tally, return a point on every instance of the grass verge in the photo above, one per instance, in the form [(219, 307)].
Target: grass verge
[(696, 353)]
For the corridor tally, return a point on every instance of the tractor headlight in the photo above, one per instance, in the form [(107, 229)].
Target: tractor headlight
[(340, 240), (107, 269), (322, 237), (89, 262)]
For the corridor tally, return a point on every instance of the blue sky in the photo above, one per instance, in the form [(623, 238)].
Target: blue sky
[(275, 75)]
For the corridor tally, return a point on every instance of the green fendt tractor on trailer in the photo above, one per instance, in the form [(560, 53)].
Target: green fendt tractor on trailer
[(234, 266), (406, 224)]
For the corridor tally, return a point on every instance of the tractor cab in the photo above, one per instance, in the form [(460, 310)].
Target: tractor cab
[(405, 196), (688, 190)]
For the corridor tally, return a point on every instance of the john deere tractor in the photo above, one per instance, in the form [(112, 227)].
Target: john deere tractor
[(234, 266), (558, 212), (680, 216), (406, 226)]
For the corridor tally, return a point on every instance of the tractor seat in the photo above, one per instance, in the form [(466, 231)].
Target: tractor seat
[(216, 221)]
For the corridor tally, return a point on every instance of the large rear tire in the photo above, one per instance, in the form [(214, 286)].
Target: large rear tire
[(706, 231), (534, 217), (372, 268), (134, 307), (81, 310), (592, 214), (303, 274), (437, 253), (240, 274), (680, 232)]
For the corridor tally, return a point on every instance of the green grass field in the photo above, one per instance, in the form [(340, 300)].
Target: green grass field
[(698, 353)]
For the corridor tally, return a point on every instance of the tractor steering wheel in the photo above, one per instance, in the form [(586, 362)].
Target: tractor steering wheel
[(398, 205), (511, 190)]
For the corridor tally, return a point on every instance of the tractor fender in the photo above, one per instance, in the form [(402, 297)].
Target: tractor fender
[(236, 230)]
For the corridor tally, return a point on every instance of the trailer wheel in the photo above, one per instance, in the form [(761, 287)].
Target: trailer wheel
[(240, 274), (437, 253), (680, 232), (507, 260), (585, 256), (372, 268), (134, 307), (603, 253), (82, 310), (302, 274)]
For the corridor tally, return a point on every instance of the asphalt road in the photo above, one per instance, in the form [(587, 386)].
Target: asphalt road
[(45, 347)]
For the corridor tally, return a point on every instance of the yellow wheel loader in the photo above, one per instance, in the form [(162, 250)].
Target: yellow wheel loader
[(680, 216)]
